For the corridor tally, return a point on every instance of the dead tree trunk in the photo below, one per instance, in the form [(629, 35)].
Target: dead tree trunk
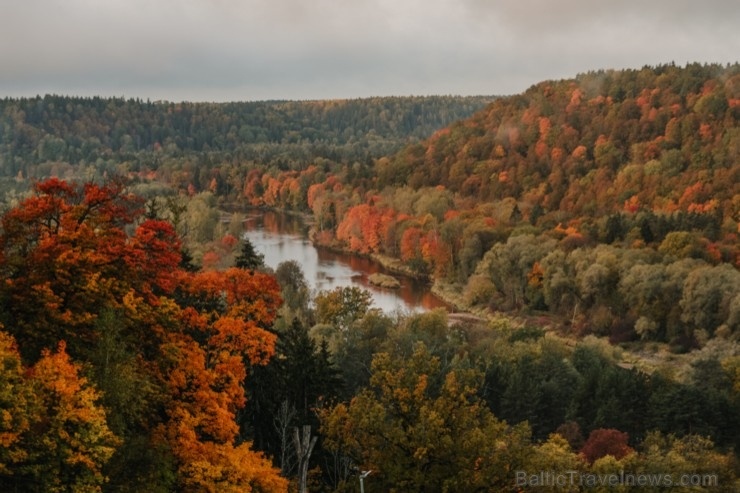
[(303, 449)]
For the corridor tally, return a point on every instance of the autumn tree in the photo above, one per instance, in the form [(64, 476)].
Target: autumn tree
[(555, 454), (55, 435), (65, 256), (602, 442), (222, 322), (86, 273), (691, 454), (342, 306), (18, 404), (418, 429), (361, 229)]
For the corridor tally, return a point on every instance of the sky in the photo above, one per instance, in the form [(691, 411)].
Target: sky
[(248, 50)]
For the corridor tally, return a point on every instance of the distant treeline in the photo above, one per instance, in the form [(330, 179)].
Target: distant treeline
[(40, 136)]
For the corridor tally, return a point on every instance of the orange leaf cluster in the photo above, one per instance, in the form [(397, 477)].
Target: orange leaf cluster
[(207, 374), (66, 258)]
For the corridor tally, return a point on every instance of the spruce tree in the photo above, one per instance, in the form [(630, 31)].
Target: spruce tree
[(248, 257)]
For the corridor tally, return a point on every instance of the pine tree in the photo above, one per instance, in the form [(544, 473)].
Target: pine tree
[(248, 257)]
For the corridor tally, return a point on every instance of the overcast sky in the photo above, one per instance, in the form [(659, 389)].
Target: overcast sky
[(237, 50)]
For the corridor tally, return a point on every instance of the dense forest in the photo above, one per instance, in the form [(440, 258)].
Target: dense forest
[(592, 223), (44, 136), (609, 201), (126, 368)]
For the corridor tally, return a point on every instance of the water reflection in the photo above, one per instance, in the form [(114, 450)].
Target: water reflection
[(281, 237)]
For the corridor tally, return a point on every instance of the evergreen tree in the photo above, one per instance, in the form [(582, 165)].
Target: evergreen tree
[(284, 393), (249, 258)]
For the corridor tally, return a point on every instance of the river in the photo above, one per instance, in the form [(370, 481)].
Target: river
[(280, 237)]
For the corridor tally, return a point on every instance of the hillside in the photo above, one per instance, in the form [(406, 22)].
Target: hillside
[(590, 220), (658, 139), (50, 135), (609, 202)]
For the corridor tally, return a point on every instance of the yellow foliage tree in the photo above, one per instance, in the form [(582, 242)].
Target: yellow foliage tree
[(420, 429), (53, 434)]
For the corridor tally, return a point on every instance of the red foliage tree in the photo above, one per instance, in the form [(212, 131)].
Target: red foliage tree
[(410, 243), (67, 263), (65, 256), (606, 441)]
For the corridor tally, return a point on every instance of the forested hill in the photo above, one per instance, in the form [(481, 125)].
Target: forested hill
[(106, 132), (610, 200), (660, 139), (606, 205)]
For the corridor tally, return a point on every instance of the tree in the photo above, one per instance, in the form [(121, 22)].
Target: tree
[(645, 289), (559, 284), (692, 455), (307, 373), (537, 387), (304, 448), (360, 228), (294, 289), (353, 351), (251, 297), (169, 347), (602, 442), (509, 264), (60, 440), (707, 296), (248, 257), (597, 275), (430, 328), (342, 306), (419, 430), (682, 244), (606, 395), (65, 256), (132, 396), (18, 405), (221, 330), (555, 454), (285, 393)]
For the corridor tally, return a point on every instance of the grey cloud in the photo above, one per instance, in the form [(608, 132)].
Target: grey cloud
[(549, 15), (256, 49)]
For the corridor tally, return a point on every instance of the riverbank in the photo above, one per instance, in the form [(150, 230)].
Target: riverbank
[(390, 264), (645, 357), (448, 296)]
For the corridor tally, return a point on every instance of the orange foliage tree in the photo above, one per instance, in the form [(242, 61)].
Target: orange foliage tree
[(221, 330), (410, 243), (53, 433), (71, 255), (65, 256), (361, 228)]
